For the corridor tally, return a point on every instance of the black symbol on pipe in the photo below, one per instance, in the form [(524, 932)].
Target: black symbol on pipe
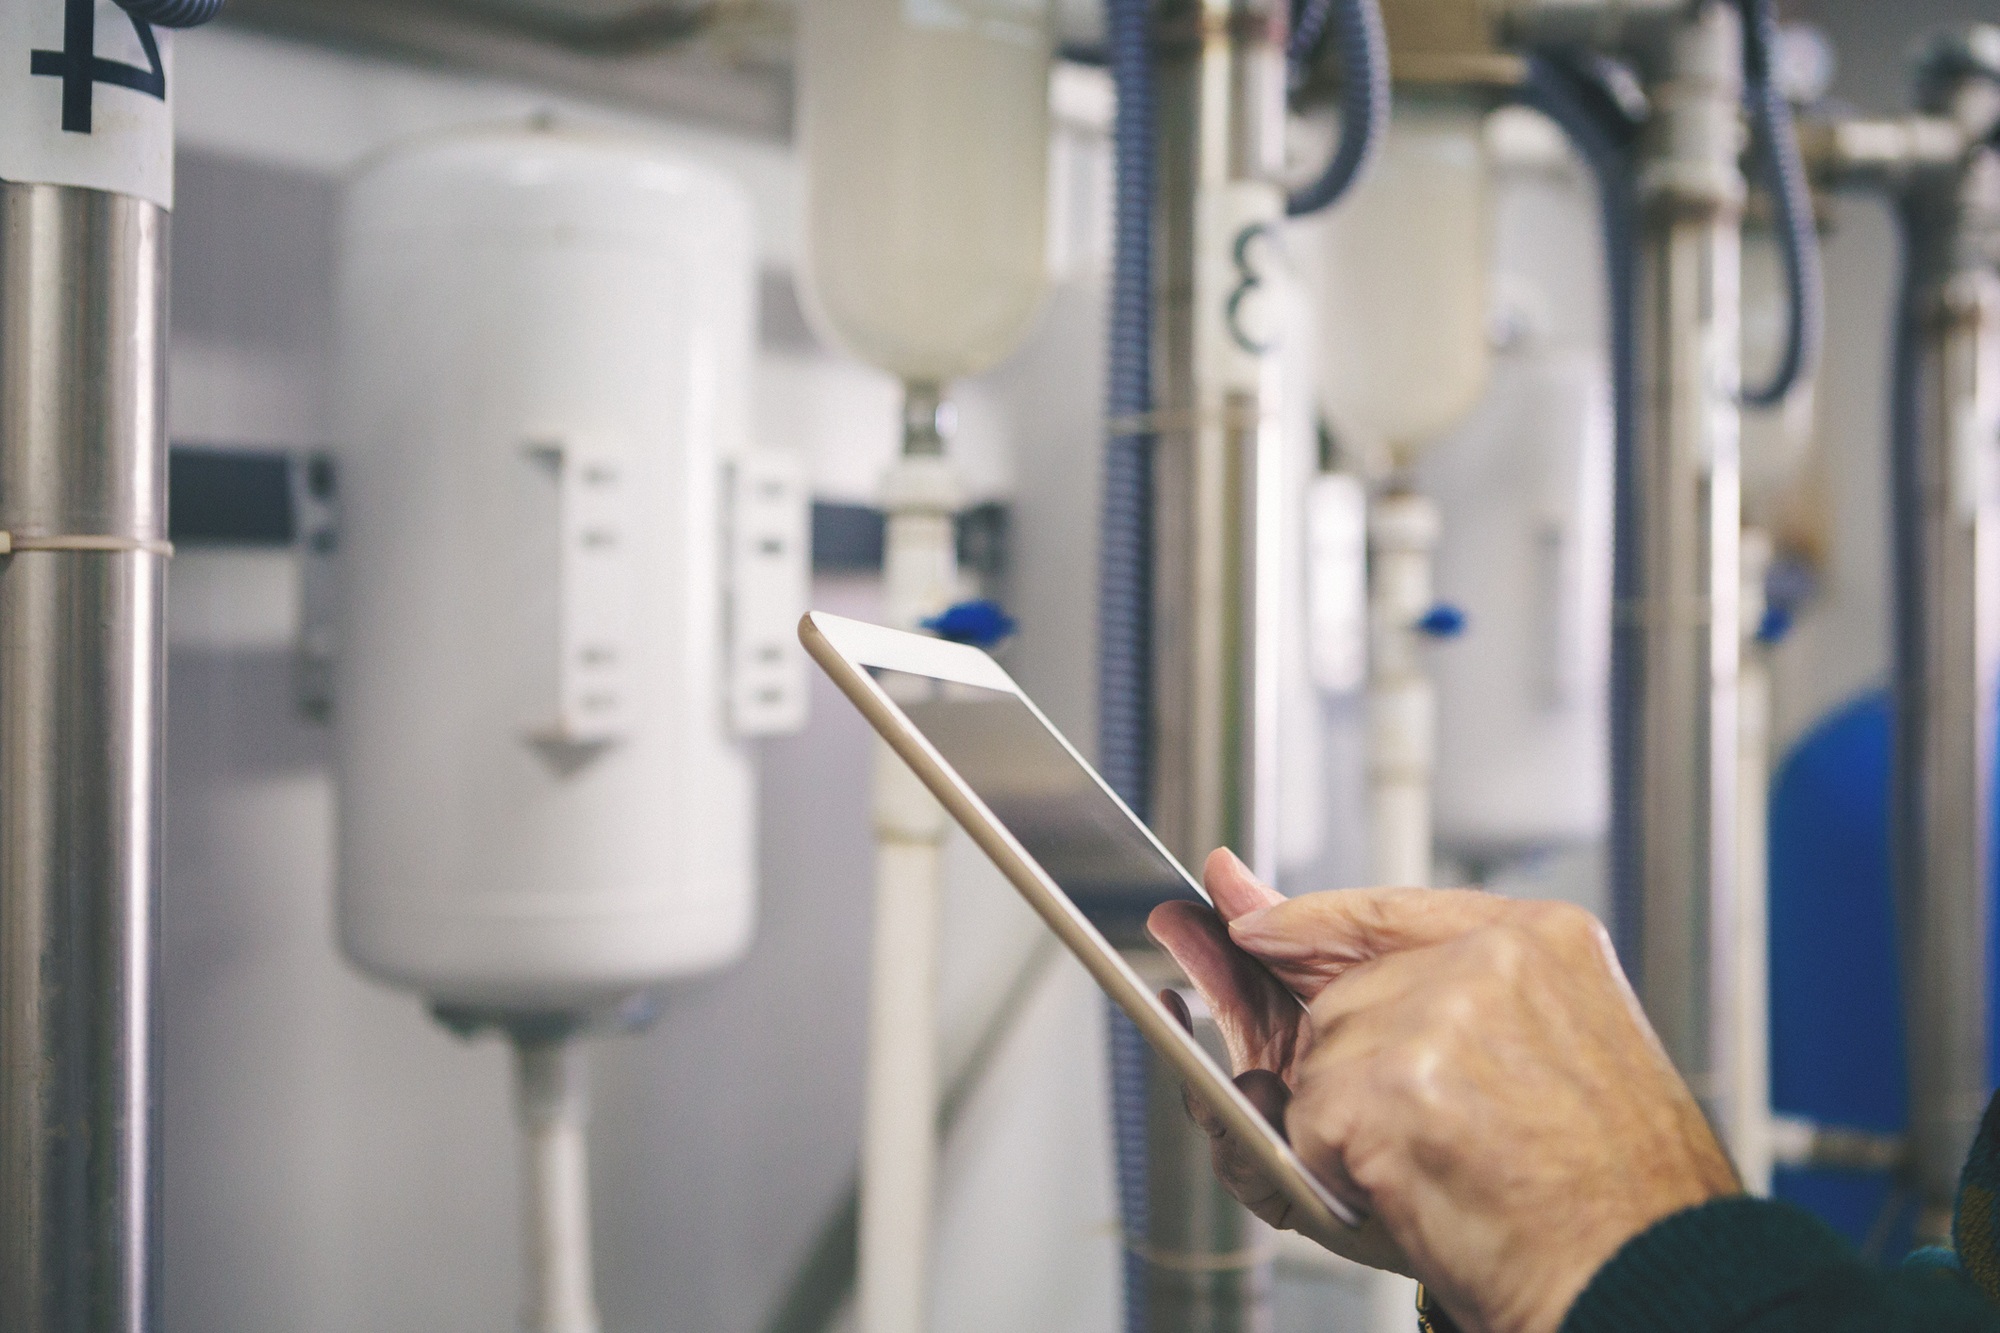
[(81, 69)]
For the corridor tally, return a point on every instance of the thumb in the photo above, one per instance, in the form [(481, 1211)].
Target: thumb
[(1310, 940)]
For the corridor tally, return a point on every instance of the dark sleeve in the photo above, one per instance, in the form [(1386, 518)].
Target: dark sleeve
[(1753, 1266)]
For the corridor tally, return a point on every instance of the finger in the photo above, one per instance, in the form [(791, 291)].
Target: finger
[(1268, 1093), (1242, 1173), (1232, 888), (1312, 939), (1257, 1015)]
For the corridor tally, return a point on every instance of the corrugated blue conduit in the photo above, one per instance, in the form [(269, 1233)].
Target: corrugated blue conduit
[(1125, 589), (1791, 195), (1363, 45), (1125, 562)]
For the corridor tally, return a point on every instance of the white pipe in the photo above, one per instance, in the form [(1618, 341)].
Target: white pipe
[(899, 1133), (1402, 705), (1402, 750), (553, 1105), (1749, 1130)]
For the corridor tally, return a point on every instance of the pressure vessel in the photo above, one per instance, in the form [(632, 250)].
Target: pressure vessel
[(1398, 275), (1524, 488), (925, 134), (545, 347)]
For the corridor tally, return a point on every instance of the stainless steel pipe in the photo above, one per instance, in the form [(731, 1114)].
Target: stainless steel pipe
[(1221, 85), (83, 317), (1946, 542), (1676, 626)]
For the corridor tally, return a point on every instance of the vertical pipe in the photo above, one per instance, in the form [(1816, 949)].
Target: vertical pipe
[(1221, 82), (899, 1134), (83, 455), (1402, 706), (83, 315), (1947, 628), (1676, 617), (1748, 1133), (552, 1103)]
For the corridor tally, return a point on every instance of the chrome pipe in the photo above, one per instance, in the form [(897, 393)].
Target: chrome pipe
[(83, 318), (1676, 622), (1221, 88), (1946, 543)]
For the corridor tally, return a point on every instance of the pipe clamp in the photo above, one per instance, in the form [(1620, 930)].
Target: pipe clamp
[(11, 542)]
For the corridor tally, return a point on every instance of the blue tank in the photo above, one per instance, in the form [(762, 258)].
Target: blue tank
[(1836, 1007)]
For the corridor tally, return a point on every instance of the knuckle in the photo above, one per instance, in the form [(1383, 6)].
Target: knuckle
[(1569, 927), (1501, 952), (1407, 1074)]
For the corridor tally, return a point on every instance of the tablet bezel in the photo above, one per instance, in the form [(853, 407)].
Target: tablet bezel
[(845, 649)]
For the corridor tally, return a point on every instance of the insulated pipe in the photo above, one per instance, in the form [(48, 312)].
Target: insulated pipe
[(1215, 473), (1946, 530), (83, 320), (552, 1102), (1675, 629), (899, 1134)]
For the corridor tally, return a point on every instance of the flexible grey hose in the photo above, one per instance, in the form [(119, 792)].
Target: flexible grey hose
[(1356, 25), (1791, 193)]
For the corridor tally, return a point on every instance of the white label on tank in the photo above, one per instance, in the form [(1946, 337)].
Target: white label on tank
[(1337, 583), (1024, 22), (86, 98)]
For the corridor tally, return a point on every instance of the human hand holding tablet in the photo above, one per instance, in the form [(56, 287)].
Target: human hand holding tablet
[(1091, 870)]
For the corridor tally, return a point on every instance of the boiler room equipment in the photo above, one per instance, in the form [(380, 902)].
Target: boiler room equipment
[(567, 588)]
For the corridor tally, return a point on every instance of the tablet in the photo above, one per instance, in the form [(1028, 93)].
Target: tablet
[(1056, 830)]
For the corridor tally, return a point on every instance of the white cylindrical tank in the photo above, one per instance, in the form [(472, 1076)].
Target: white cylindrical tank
[(545, 340), (1525, 490), (925, 133), (1398, 277)]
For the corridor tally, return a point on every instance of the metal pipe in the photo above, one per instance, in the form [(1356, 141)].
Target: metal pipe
[(1221, 89), (1946, 542), (83, 317), (1676, 636)]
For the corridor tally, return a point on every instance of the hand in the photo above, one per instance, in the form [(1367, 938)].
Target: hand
[(1472, 1072)]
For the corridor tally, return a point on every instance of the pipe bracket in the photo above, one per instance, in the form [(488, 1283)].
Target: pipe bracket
[(11, 542)]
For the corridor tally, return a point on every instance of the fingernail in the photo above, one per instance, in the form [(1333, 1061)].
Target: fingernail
[(1178, 1007)]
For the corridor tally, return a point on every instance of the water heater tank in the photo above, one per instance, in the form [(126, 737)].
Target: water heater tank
[(925, 134), (546, 343)]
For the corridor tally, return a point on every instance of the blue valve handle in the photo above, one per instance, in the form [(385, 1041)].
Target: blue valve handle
[(981, 624), (1443, 621)]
